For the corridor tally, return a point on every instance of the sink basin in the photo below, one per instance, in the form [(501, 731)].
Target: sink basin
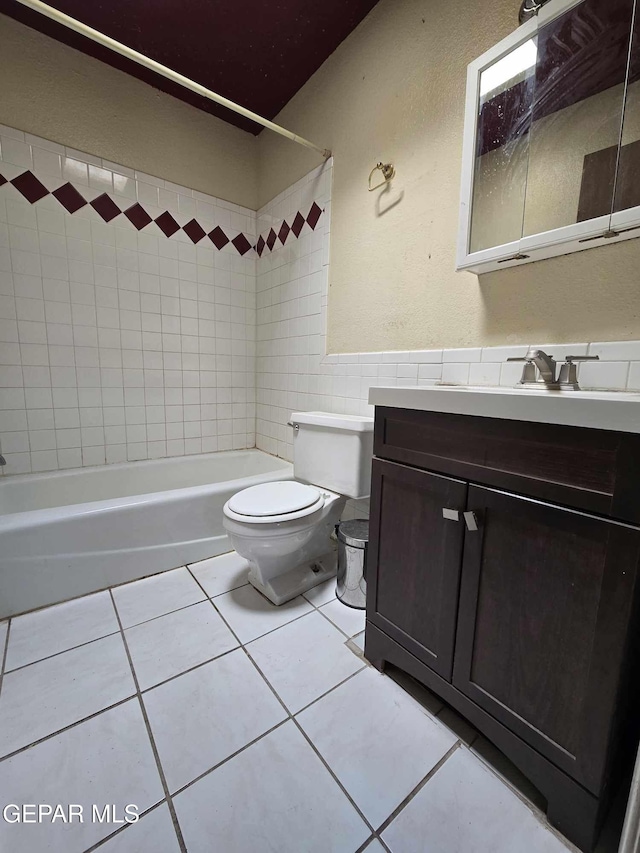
[(610, 410)]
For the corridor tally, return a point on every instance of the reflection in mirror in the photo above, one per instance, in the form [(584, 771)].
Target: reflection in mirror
[(628, 177), (577, 114), (500, 175)]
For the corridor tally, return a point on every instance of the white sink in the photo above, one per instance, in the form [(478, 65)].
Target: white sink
[(611, 410)]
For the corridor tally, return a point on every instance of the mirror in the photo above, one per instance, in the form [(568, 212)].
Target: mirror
[(549, 119), (577, 114), (502, 148), (627, 193)]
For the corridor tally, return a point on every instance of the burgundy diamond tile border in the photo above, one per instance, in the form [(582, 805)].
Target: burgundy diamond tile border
[(269, 239), (106, 207), (194, 231), (72, 200), (30, 187), (167, 224), (137, 216), (69, 198), (298, 222)]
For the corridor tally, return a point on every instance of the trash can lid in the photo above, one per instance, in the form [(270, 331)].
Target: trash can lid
[(354, 532)]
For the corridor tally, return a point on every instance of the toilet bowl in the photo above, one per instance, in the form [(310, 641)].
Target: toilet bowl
[(284, 529), (288, 546)]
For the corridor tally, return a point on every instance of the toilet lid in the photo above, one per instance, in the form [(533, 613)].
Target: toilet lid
[(270, 499)]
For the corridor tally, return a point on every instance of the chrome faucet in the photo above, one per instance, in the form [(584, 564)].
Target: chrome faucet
[(539, 370)]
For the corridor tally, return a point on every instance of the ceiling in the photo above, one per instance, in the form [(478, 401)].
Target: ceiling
[(258, 53)]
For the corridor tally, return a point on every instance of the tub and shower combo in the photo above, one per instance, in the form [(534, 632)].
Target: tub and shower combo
[(69, 533)]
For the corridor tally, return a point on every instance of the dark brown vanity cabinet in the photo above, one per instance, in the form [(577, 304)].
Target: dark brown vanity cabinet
[(418, 556), (518, 610)]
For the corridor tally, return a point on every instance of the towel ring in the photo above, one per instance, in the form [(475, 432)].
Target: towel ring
[(388, 171)]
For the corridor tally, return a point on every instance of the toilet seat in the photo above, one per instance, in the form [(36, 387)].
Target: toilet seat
[(273, 502)]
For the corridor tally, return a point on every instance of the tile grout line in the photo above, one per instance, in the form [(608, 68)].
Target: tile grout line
[(123, 584), (5, 652), (427, 778), (121, 829), (260, 636), (154, 748), (344, 633), (108, 634), (291, 718), (65, 728), (62, 652), (226, 760), (330, 690), (97, 639)]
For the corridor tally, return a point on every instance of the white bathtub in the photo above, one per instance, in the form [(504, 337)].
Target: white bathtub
[(67, 533)]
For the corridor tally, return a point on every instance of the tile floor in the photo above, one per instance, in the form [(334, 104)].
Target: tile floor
[(238, 727)]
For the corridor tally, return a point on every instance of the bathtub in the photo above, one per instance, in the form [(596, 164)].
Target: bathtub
[(68, 533)]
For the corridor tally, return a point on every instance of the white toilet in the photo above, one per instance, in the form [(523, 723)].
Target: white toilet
[(284, 529)]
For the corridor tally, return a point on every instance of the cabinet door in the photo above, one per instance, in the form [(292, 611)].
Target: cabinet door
[(413, 564), (546, 600)]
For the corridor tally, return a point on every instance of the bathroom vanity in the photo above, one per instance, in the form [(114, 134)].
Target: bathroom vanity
[(503, 574)]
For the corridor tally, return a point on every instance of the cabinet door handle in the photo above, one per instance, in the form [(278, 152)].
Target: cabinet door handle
[(471, 521), (450, 514)]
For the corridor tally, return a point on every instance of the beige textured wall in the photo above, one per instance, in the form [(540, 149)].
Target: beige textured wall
[(53, 91), (394, 90)]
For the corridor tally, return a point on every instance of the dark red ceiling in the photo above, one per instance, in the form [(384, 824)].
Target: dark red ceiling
[(258, 53)]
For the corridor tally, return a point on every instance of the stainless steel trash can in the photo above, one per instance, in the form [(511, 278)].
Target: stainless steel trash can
[(353, 538)]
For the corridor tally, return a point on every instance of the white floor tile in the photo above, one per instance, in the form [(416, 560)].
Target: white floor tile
[(359, 641), (322, 594), (51, 694), (304, 659), (203, 716), (55, 629), (155, 596), (250, 614), (220, 574), (107, 759), (378, 771), (171, 644), (463, 807), (153, 833), (241, 807), (350, 621)]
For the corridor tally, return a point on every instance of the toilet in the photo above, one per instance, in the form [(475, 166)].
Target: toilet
[(284, 529)]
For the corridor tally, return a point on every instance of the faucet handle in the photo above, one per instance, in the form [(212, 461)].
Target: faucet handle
[(568, 378), (570, 359), (529, 372)]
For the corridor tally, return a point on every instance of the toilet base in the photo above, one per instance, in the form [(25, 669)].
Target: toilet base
[(298, 580)]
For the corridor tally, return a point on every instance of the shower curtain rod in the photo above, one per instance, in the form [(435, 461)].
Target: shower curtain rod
[(141, 59)]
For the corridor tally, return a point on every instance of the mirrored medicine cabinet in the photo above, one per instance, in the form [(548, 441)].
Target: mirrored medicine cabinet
[(551, 161)]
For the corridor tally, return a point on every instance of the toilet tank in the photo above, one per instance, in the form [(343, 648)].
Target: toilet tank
[(333, 451)]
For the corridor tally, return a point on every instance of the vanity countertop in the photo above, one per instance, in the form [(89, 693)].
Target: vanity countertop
[(610, 410)]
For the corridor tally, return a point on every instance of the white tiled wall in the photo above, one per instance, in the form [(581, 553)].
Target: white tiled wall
[(118, 344), (291, 303)]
